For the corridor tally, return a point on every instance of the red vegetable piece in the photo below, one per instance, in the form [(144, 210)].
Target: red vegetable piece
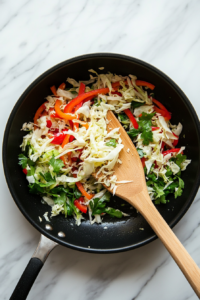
[(132, 118), (81, 89), (175, 150), (25, 171), (144, 83), (58, 138), (71, 138), (74, 159), (62, 86), (53, 89), (116, 93), (49, 123), (80, 206), (154, 128)]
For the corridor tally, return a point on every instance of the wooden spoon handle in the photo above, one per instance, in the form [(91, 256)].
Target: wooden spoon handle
[(173, 245)]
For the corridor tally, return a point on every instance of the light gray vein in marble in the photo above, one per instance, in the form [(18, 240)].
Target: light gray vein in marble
[(34, 36)]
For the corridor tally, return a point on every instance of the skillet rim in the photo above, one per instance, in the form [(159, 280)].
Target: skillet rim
[(18, 103)]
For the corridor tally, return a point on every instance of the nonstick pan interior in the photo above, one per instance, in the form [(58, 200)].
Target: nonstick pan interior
[(113, 234)]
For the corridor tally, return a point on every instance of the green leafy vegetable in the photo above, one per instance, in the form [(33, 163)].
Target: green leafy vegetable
[(140, 152), (112, 143), (161, 200), (98, 205), (122, 117), (159, 190), (97, 102), (57, 164), (180, 158), (31, 171), (144, 128), (77, 193), (179, 191), (24, 161), (114, 212), (135, 104), (48, 178)]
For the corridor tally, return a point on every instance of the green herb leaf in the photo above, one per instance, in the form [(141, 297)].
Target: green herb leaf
[(113, 212), (140, 152), (106, 197), (159, 190), (31, 171), (77, 193), (24, 161), (98, 205), (122, 117), (134, 132), (161, 200), (57, 164), (147, 137), (35, 188), (180, 159), (112, 143), (135, 104), (48, 178), (61, 199), (144, 128), (146, 117)]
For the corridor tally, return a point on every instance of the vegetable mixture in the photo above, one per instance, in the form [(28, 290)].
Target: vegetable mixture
[(69, 139)]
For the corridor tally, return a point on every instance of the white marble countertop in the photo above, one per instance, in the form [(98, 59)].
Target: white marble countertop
[(35, 35)]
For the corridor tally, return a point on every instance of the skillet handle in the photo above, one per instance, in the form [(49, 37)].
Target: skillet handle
[(33, 268)]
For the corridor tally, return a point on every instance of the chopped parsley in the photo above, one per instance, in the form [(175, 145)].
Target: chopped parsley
[(144, 128), (112, 143), (57, 164)]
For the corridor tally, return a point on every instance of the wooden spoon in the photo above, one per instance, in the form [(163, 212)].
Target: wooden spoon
[(137, 195)]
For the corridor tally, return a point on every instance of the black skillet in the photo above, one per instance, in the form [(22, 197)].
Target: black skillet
[(123, 234)]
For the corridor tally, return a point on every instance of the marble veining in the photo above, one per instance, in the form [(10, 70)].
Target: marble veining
[(34, 36)]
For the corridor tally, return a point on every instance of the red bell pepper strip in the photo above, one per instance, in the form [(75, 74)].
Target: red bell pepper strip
[(163, 108), (62, 86), (144, 83), (116, 93), (53, 89), (66, 116), (71, 138), (38, 113), (175, 150), (143, 161), (49, 123), (162, 147), (80, 98), (160, 105), (117, 84), (132, 118), (58, 138), (175, 141), (154, 128), (164, 113), (81, 89), (54, 130), (80, 206), (25, 171)]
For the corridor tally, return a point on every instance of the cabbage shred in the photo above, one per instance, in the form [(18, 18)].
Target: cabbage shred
[(97, 149)]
